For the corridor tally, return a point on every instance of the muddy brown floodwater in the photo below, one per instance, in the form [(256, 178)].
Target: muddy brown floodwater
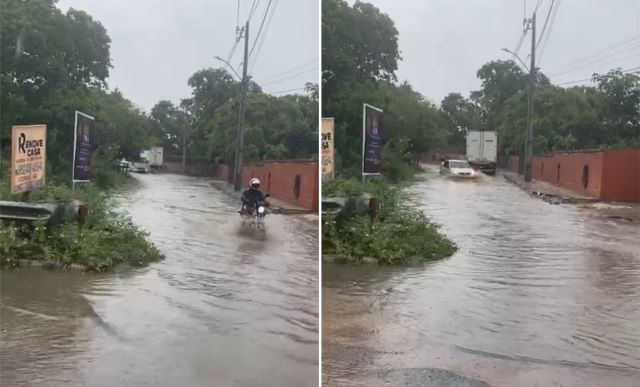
[(221, 310), (537, 295)]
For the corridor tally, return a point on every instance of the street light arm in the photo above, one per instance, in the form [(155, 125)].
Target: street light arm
[(517, 57), (229, 66)]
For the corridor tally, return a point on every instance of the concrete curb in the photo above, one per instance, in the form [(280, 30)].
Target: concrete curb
[(277, 206)]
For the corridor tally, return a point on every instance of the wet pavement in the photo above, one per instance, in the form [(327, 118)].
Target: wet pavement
[(221, 310), (537, 295)]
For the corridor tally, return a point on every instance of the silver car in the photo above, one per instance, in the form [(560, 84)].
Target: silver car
[(458, 169)]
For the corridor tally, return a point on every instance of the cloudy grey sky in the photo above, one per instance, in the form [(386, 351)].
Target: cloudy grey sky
[(444, 42), (158, 44)]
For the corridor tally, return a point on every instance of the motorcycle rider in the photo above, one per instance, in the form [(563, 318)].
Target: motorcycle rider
[(252, 195)]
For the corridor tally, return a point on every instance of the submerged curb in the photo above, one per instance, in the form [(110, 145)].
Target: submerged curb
[(34, 263), (548, 197)]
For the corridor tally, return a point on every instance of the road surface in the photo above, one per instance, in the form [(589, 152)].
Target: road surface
[(221, 310), (537, 295)]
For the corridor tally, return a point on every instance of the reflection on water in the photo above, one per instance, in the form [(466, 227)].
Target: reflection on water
[(221, 310), (536, 294)]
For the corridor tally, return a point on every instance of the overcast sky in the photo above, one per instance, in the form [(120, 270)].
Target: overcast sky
[(158, 44), (445, 42)]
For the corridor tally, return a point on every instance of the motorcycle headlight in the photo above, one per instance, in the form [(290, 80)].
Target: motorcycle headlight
[(260, 210)]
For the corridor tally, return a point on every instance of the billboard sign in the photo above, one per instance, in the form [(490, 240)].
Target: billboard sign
[(82, 147), (371, 140), (327, 145), (28, 157)]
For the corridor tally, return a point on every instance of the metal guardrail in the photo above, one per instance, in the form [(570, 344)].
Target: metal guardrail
[(74, 211), (351, 206)]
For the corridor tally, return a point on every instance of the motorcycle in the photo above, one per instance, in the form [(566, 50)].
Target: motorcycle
[(253, 217)]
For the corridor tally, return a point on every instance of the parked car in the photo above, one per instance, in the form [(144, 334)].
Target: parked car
[(458, 169)]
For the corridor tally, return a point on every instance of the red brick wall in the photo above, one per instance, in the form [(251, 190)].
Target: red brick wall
[(621, 175), (172, 167), (282, 181), (569, 174), (223, 172)]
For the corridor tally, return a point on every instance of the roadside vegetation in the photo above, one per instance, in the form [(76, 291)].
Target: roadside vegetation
[(55, 63), (106, 239), (400, 233)]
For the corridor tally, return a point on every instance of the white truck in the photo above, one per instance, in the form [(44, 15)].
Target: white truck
[(154, 156), (482, 151)]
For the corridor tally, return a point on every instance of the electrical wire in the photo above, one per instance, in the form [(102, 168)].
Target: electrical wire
[(293, 76), (264, 35), (631, 70), (264, 18), (551, 23), (254, 8), (546, 22), (519, 45), (537, 6), (286, 91), (233, 50), (605, 60), (294, 68), (605, 50)]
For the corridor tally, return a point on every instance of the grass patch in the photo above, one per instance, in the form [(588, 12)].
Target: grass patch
[(400, 234)]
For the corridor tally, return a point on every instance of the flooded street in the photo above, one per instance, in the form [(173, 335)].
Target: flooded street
[(221, 310), (537, 295)]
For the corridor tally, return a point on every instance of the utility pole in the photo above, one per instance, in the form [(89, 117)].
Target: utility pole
[(237, 181), (184, 152), (528, 152)]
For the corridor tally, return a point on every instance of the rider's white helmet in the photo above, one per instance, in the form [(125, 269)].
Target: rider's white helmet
[(254, 183)]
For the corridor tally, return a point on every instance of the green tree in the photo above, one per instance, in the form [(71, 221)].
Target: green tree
[(53, 64), (462, 116), (622, 107), (359, 43)]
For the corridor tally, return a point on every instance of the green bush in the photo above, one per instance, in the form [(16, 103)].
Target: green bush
[(400, 234)]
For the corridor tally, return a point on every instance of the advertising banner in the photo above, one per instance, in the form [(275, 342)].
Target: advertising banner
[(371, 140), (327, 149), (28, 157), (82, 147)]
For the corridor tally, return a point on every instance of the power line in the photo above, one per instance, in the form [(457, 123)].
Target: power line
[(519, 45), (293, 76), (546, 38), (294, 68), (546, 21), (591, 79), (604, 50), (254, 8), (287, 91), (264, 18), (537, 6), (264, 35), (605, 60), (233, 50)]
